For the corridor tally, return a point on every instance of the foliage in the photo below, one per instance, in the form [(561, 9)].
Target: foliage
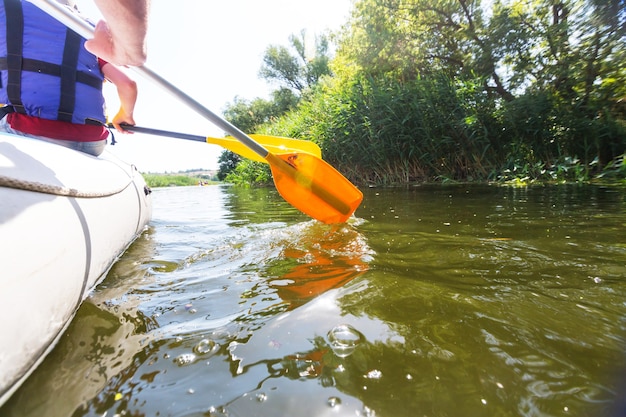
[(248, 173), (296, 68), (227, 163), (458, 89), (383, 131), (247, 115), (446, 90), (510, 45)]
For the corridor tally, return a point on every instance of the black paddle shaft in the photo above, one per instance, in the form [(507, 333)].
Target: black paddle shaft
[(159, 132)]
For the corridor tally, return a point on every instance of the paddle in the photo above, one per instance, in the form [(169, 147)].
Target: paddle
[(305, 181), (274, 144)]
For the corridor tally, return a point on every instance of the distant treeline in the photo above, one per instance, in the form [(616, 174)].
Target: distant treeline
[(175, 180)]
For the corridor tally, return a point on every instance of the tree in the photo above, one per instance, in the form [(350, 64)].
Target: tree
[(296, 69), (413, 38), (227, 162), (513, 45)]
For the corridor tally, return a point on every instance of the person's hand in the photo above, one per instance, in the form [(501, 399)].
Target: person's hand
[(122, 117), (104, 46)]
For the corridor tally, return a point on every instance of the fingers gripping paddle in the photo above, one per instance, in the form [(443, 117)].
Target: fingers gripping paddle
[(305, 181), (274, 144)]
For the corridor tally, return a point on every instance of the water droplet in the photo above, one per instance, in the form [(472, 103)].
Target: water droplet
[(344, 339), (334, 402), (205, 346), (261, 397), (185, 359)]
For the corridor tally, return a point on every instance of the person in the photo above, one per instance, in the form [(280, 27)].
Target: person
[(52, 86), (121, 37)]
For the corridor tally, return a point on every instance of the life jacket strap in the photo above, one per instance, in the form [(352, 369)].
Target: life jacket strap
[(68, 75), (15, 46), (42, 67)]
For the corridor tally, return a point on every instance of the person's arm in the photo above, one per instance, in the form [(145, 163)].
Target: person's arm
[(127, 92), (121, 38)]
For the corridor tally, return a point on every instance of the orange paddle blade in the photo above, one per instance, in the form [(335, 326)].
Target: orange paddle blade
[(314, 187)]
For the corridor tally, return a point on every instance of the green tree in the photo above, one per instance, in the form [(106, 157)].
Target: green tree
[(413, 38), (227, 162), (513, 45), (296, 67), (247, 115)]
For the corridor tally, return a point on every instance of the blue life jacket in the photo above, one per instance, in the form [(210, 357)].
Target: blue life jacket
[(45, 71)]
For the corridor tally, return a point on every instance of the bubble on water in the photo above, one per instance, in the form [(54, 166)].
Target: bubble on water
[(344, 339), (367, 412), (184, 359), (374, 374), (274, 344), (334, 402), (205, 346), (261, 397), (217, 411)]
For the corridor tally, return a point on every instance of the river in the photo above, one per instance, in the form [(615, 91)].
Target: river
[(462, 300)]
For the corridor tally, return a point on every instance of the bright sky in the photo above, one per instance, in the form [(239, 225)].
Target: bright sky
[(211, 50)]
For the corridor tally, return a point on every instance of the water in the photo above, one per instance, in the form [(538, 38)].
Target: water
[(434, 301)]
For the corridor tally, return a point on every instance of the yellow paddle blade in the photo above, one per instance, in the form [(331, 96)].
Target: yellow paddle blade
[(314, 187), (274, 144)]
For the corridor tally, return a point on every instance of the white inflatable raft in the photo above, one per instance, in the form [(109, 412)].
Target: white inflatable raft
[(65, 217)]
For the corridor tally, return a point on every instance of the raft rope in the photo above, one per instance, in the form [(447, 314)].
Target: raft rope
[(9, 182)]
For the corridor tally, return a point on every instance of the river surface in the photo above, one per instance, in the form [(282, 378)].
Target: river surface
[(432, 301)]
